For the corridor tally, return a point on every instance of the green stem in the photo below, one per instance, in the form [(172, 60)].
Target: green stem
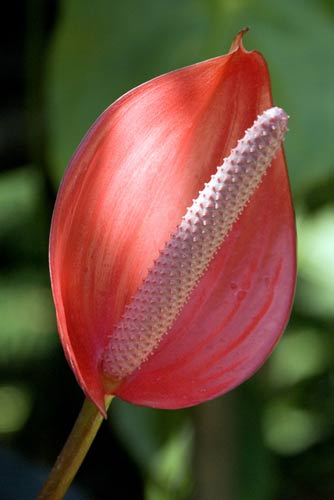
[(74, 451)]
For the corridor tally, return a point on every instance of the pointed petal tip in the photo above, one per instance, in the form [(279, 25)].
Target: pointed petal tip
[(237, 40)]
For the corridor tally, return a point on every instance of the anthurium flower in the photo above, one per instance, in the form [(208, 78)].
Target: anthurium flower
[(173, 270)]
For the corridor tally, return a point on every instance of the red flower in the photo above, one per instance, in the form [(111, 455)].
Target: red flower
[(124, 193)]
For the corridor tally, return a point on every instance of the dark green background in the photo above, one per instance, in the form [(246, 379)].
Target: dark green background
[(62, 63)]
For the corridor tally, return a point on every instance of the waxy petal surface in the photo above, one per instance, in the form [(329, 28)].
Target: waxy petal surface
[(125, 191)]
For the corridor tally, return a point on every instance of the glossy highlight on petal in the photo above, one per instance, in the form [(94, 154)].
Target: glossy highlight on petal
[(124, 193)]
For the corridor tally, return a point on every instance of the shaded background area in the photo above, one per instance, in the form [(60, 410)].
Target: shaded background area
[(63, 62)]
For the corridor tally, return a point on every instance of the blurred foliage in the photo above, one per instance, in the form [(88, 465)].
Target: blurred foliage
[(162, 448), (64, 62)]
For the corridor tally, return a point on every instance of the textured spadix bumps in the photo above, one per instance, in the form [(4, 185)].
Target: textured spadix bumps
[(191, 247), (124, 194)]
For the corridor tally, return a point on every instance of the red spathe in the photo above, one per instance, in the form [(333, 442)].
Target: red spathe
[(126, 189)]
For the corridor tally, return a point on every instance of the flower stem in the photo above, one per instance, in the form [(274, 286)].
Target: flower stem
[(74, 451)]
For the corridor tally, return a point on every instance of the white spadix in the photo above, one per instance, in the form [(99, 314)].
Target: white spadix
[(192, 246)]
